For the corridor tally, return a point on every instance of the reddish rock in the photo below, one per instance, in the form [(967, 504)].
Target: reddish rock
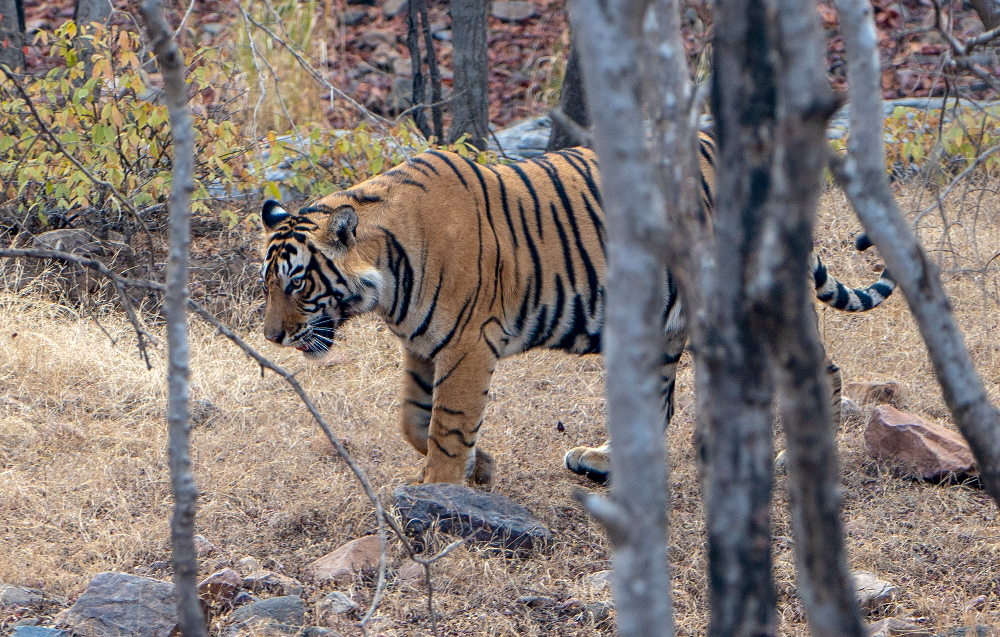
[(916, 447), (221, 585), (411, 572), (342, 564)]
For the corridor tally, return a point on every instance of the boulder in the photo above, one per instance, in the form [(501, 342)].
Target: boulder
[(411, 572), (38, 631), (342, 564), (287, 610), (917, 448), (221, 586), (482, 517), (75, 240), (871, 591), (274, 583), (121, 605), (19, 597), (513, 10), (336, 604)]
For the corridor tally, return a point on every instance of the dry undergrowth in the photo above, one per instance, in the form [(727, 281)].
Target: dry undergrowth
[(84, 485)]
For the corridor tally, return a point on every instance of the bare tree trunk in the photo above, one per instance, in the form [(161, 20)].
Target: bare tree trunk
[(867, 187), (635, 514), (784, 303), (572, 103), (171, 64), (470, 105), (988, 11), (87, 11), (12, 37), (417, 16)]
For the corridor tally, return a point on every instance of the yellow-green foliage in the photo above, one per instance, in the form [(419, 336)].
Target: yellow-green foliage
[(104, 118), (917, 140)]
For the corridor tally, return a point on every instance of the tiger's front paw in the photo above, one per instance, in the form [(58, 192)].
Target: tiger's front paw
[(590, 462), (482, 470)]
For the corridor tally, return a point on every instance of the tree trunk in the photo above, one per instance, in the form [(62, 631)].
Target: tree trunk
[(572, 103), (470, 105), (87, 11), (12, 38), (171, 63), (867, 186), (635, 514), (988, 11)]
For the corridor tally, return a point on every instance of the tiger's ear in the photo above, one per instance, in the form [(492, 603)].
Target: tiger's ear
[(272, 214), (341, 230)]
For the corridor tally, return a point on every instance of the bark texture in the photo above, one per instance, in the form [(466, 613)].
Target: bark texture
[(12, 34), (635, 514), (573, 104), (171, 63), (470, 105), (867, 186)]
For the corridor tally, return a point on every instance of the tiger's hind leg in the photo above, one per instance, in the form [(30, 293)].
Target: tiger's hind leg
[(836, 388), (595, 462)]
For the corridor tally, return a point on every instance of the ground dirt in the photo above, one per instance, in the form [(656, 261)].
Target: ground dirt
[(84, 483)]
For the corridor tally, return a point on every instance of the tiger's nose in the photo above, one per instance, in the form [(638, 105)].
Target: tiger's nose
[(274, 336)]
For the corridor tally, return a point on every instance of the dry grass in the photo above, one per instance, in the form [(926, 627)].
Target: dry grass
[(84, 485)]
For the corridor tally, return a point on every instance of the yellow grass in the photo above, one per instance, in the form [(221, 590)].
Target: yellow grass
[(84, 486)]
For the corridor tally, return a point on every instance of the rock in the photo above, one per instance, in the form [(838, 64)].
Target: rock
[(970, 631), (871, 591), (352, 17), (479, 516), (917, 448), (336, 604), (120, 605), (288, 610), (893, 627), (400, 94), (536, 601), (849, 409), (411, 572), (525, 139), (38, 631), (977, 603), (317, 631), (19, 597), (597, 612), (220, 586), (248, 565), (876, 393), (392, 8), (271, 582), (27, 621), (513, 10), (342, 564), (73, 240), (599, 580), (201, 544)]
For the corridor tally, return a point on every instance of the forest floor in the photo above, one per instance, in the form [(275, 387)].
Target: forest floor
[(83, 472)]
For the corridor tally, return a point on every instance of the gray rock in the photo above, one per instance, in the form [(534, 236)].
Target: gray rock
[(892, 627), (38, 631), (270, 582), (352, 17), (19, 597), (871, 591), (482, 517), (513, 10), (599, 580), (966, 631), (288, 610), (336, 604), (392, 8), (120, 605), (597, 612), (525, 139), (318, 631), (75, 240)]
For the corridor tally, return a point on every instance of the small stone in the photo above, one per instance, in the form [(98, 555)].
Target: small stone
[(849, 409), (597, 612), (893, 627), (318, 631), (342, 564), (38, 631), (917, 448), (976, 603), (876, 393), (480, 516), (248, 565), (970, 631), (513, 10), (288, 610), (352, 17), (871, 591), (202, 546), (336, 604), (73, 240), (411, 572), (271, 582), (599, 580), (220, 586), (392, 8), (536, 601), (19, 597)]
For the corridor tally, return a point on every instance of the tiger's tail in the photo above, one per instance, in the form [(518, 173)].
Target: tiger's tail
[(837, 295)]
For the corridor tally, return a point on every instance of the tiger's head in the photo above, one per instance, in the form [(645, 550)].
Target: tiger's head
[(313, 276)]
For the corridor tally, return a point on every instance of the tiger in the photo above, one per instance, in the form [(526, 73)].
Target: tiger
[(467, 264)]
